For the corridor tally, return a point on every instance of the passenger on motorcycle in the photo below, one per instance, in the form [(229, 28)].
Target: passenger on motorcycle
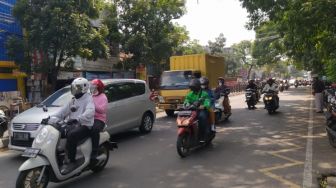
[(205, 87), (221, 89), (80, 113), (100, 102), (271, 86), (198, 95), (252, 85)]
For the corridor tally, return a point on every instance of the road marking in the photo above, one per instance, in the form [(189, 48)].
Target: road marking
[(308, 166)]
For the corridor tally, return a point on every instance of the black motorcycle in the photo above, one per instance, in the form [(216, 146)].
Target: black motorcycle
[(271, 102), (330, 115), (251, 96)]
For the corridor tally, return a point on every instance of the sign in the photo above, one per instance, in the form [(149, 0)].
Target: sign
[(62, 75)]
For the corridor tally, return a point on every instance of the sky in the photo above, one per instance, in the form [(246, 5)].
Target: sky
[(206, 19)]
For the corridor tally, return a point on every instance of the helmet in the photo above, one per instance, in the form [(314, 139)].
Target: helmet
[(204, 82), (251, 81), (221, 80), (195, 85), (97, 86), (79, 87)]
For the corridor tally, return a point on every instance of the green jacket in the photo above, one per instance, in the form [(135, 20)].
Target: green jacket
[(192, 97)]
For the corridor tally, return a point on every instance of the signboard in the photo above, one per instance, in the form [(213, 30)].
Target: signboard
[(62, 75)]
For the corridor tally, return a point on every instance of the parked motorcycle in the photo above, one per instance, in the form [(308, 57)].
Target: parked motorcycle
[(271, 103), (250, 95), (48, 154), (222, 114), (330, 115), (188, 137), (296, 84), (3, 123)]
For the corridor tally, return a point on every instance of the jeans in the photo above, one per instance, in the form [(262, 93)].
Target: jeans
[(98, 126), (73, 137), (203, 123)]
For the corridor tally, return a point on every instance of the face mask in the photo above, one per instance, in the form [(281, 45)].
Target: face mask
[(203, 86), (220, 83)]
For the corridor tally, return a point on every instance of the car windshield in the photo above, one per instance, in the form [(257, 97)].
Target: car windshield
[(59, 98), (176, 79)]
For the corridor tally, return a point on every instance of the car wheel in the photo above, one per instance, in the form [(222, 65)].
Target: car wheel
[(146, 123)]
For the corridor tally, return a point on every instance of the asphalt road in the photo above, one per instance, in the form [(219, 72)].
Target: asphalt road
[(252, 149)]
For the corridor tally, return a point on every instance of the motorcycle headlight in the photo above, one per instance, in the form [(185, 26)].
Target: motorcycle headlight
[(41, 136)]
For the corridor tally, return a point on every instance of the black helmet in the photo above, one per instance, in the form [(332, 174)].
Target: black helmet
[(204, 81), (195, 85)]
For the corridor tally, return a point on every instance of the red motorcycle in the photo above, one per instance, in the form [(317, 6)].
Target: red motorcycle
[(188, 137)]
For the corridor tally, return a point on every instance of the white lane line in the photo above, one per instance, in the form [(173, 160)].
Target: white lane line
[(308, 165)]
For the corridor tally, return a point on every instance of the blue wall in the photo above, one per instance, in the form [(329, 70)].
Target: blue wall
[(8, 26)]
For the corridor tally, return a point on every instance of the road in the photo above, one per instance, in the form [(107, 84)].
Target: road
[(253, 149)]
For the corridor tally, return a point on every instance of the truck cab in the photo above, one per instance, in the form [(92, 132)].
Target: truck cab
[(174, 87)]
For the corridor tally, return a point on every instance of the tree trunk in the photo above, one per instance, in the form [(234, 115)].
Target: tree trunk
[(249, 72)]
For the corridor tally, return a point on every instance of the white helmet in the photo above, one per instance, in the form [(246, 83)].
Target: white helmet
[(79, 86)]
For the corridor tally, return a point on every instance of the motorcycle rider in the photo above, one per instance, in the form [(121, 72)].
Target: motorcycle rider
[(252, 85), (271, 86), (221, 89), (205, 87), (100, 102), (80, 113), (198, 95)]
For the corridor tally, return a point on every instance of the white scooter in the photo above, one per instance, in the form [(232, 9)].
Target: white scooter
[(219, 107), (48, 154)]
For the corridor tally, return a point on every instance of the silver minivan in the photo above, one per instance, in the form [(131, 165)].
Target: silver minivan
[(130, 106)]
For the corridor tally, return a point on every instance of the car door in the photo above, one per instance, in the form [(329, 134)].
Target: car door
[(115, 107)]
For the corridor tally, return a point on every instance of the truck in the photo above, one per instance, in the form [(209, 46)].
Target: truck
[(174, 84)]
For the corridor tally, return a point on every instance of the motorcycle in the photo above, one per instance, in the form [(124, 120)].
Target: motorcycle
[(3, 123), (48, 154), (281, 87), (271, 103), (222, 114), (188, 137), (286, 86), (296, 85), (250, 95), (330, 115)]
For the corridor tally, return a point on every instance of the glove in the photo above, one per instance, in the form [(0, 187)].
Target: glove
[(72, 122), (45, 121)]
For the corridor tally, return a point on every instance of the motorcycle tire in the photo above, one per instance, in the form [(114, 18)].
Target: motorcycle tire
[(183, 145), (28, 178), (100, 166)]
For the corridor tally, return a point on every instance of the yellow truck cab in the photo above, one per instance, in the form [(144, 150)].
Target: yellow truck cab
[(175, 82)]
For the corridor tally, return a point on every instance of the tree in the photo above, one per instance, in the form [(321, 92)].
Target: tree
[(147, 27), (305, 26), (62, 30), (243, 52), (217, 47)]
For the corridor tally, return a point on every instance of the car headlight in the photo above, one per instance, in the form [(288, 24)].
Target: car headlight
[(41, 136)]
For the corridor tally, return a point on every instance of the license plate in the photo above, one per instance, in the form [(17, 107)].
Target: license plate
[(21, 136), (30, 152)]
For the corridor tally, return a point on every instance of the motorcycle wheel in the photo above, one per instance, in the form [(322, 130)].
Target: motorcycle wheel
[(182, 145), (28, 178), (100, 166), (270, 112)]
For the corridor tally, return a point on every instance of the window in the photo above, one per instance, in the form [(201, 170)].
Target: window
[(121, 91)]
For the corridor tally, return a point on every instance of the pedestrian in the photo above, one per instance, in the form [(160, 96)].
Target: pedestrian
[(318, 87)]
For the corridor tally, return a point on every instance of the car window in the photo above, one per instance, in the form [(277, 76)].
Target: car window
[(139, 88), (59, 98), (119, 91)]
